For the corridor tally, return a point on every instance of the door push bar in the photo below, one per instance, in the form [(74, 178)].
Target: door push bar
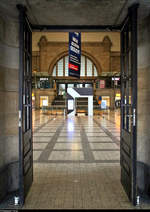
[(133, 116)]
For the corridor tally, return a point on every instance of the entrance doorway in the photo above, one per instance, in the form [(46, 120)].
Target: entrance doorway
[(128, 140), (62, 87), (128, 111)]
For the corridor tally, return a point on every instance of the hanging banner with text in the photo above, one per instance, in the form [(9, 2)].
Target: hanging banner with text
[(74, 54)]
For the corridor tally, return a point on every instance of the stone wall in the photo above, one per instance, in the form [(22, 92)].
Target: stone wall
[(99, 52), (115, 61), (143, 115), (51, 93), (85, 37), (108, 92), (9, 64)]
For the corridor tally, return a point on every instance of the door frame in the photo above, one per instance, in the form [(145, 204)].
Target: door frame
[(130, 19), (25, 104), (99, 28)]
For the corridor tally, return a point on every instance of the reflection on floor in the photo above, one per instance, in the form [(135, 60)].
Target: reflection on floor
[(76, 163)]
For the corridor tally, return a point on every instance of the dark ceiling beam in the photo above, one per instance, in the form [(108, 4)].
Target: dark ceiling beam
[(29, 9), (69, 28), (133, 6), (121, 11)]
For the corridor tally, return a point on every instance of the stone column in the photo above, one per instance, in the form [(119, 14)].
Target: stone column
[(112, 100), (43, 54), (143, 112), (90, 105), (9, 141), (37, 99), (105, 53)]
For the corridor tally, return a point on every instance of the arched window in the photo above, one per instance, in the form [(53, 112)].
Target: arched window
[(88, 68)]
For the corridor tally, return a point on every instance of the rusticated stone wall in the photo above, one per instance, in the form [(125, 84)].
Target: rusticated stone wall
[(9, 142), (99, 52), (51, 93), (143, 110)]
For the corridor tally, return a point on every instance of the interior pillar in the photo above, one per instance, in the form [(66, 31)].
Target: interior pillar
[(9, 142), (143, 113)]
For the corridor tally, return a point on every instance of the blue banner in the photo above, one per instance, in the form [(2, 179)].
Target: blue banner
[(74, 54)]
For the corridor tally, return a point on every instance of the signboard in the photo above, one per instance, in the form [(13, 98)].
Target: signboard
[(102, 84), (74, 54), (99, 100), (43, 79), (45, 102), (103, 104), (115, 78), (70, 104)]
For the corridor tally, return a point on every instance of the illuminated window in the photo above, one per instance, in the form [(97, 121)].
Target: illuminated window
[(95, 72), (60, 68), (43, 101), (66, 66), (88, 68), (82, 71), (54, 71)]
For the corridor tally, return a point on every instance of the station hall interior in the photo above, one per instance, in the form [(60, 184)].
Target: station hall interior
[(96, 154)]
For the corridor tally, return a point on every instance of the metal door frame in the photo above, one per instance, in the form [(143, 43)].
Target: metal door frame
[(22, 15), (23, 24), (132, 20)]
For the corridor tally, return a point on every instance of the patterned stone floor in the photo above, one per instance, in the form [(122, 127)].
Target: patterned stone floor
[(76, 163)]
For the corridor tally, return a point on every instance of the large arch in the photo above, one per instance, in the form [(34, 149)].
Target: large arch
[(65, 53)]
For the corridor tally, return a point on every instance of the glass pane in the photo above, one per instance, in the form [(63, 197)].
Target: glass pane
[(130, 63), (95, 71), (88, 86), (54, 71), (82, 72), (70, 85), (130, 119), (66, 66), (38, 84), (62, 86), (60, 68), (124, 117), (89, 68), (129, 39), (43, 101), (79, 85), (61, 89), (130, 91)]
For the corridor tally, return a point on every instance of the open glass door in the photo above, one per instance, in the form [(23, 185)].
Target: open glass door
[(129, 103), (25, 106)]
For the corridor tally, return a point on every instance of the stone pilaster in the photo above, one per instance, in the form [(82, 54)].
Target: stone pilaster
[(9, 65), (43, 54), (143, 112)]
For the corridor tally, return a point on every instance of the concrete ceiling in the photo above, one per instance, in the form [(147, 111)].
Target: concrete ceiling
[(74, 12)]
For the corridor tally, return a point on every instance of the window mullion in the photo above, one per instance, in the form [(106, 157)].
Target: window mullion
[(85, 66), (63, 66), (56, 69), (92, 70)]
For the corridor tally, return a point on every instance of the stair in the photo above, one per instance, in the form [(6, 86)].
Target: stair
[(82, 105), (59, 102), (58, 106)]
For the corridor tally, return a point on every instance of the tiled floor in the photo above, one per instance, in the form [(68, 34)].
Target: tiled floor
[(76, 163)]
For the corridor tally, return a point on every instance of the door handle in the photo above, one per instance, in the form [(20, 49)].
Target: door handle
[(129, 115), (20, 115), (134, 117)]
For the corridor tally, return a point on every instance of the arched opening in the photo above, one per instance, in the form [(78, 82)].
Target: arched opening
[(89, 72), (88, 68)]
